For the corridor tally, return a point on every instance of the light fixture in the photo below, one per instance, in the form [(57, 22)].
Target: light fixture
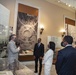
[(69, 3), (41, 29), (62, 32), (11, 30)]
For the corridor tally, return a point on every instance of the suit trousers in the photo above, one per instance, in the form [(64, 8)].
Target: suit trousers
[(14, 66), (36, 65)]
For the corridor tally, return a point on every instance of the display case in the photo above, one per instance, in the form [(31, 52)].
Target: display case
[(4, 27), (4, 24), (26, 55)]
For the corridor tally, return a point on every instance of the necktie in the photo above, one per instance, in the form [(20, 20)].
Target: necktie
[(39, 45)]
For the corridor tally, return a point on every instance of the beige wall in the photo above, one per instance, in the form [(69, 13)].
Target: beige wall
[(50, 15)]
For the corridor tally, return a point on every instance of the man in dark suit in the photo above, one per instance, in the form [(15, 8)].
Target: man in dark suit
[(38, 55), (66, 60)]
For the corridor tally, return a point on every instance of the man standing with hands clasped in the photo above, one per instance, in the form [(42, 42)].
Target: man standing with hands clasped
[(38, 55)]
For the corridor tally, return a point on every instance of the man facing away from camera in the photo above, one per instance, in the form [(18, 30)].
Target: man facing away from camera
[(66, 59), (38, 55)]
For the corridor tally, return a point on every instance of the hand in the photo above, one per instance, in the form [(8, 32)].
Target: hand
[(41, 57), (34, 57), (18, 48), (43, 64)]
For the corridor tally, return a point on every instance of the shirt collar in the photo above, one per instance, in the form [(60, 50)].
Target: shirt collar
[(68, 45), (39, 43), (12, 41)]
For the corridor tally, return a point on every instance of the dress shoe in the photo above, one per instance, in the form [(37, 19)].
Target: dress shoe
[(35, 71), (39, 74)]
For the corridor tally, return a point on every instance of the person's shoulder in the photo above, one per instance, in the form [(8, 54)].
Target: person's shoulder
[(36, 43), (61, 50), (48, 51), (74, 49), (11, 42), (65, 49), (69, 48), (42, 44), (51, 51)]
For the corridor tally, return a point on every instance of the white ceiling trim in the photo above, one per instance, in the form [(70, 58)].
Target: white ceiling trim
[(70, 3), (62, 4)]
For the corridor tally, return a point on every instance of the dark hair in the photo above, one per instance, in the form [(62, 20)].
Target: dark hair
[(68, 39), (39, 40), (52, 45), (11, 36)]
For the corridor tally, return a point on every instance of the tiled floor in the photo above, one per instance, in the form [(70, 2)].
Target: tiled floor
[(30, 64)]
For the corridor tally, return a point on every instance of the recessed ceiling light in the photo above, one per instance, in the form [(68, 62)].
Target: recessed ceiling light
[(69, 5)]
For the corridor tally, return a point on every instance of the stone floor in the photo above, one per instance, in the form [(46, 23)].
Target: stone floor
[(30, 64)]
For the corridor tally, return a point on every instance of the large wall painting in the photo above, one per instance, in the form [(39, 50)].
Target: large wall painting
[(27, 30)]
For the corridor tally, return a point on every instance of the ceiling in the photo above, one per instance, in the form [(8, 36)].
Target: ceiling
[(62, 3)]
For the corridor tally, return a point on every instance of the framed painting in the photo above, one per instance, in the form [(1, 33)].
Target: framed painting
[(27, 25)]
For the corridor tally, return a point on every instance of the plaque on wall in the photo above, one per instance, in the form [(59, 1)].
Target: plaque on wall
[(57, 40)]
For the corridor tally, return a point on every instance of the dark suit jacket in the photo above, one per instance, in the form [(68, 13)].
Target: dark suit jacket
[(66, 61), (39, 51)]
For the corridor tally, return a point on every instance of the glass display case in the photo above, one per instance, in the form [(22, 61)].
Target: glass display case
[(26, 55), (4, 27), (4, 23)]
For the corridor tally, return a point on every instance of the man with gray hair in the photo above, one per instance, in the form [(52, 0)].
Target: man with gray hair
[(12, 52)]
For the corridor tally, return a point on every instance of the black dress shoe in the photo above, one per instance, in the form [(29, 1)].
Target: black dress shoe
[(35, 71), (39, 74)]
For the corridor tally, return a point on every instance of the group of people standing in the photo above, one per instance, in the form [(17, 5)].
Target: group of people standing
[(46, 59), (66, 58)]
